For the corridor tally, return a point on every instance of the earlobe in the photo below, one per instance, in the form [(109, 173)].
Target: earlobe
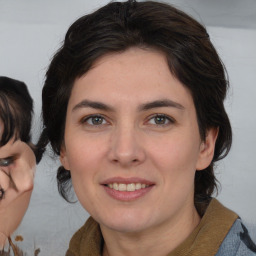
[(63, 158), (207, 148)]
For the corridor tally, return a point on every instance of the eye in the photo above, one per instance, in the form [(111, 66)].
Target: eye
[(160, 119), (6, 161), (94, 120)]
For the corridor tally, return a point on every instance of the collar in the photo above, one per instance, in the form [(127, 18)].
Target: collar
[(204, 240)]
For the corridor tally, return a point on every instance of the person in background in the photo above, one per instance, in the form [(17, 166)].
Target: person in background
[(133, 105), (17, 157)]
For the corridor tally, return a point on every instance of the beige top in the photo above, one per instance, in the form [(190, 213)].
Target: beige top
[(204, 240)]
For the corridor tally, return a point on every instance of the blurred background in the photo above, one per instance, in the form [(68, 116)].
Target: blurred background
[(31, 31)]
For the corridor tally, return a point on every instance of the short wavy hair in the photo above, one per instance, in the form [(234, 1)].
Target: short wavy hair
[(192, 59)]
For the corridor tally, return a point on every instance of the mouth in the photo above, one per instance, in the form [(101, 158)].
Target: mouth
[(127, 189), (131, 187)]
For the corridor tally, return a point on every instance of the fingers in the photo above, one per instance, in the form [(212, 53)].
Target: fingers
[(17, 162), (11, 216), (17, 169)]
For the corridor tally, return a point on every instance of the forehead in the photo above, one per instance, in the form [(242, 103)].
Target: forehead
[(134, 75)]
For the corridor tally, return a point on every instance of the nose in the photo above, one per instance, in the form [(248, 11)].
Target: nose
[(126, 147)]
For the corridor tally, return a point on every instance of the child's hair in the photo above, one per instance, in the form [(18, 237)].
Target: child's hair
[(16, 110)]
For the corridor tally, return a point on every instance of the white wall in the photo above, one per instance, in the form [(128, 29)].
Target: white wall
[(31, 31), (237, 173)]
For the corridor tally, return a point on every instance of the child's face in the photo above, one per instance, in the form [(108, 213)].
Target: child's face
[(17, 167)]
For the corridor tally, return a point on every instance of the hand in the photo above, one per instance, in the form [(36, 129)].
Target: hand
[(17, 168)]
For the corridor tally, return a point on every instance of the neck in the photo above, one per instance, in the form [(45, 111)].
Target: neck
[(157, 241)]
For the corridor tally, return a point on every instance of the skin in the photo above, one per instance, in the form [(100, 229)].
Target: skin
[(127, 142), (16, 178)]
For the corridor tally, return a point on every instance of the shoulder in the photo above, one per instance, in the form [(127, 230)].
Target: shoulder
[(240, 240)]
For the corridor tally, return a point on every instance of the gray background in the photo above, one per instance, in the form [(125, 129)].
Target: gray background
[(31, 31)]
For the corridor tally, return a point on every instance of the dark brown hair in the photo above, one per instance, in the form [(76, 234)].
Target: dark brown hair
[(192, 59), (16, 110)]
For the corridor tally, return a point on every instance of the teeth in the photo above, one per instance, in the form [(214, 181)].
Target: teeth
[(127, 187), (115, 186), (122, 187), (138, 186), (130, 187)]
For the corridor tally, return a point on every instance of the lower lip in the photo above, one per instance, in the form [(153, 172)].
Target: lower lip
[(127, 195)]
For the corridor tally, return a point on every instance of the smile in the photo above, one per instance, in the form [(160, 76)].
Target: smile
[(127, 187)]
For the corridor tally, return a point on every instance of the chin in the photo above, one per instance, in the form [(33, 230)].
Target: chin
[(127, 227), (126, 223)]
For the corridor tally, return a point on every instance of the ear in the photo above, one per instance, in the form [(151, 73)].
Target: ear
[(207, 149), (63, 157)]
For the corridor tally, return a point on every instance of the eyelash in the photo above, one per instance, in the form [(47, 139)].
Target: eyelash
[(165, 118), (4, 162), (85, 120)]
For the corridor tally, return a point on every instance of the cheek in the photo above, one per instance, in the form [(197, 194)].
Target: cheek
[(82, 150), (86, 158), (85, 165), (175, 151), (175, 158)]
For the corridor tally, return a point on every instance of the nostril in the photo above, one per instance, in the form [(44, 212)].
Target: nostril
[(126, 161)]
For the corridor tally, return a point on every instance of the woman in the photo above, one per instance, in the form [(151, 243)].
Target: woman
[(133, 105), (17, 159)]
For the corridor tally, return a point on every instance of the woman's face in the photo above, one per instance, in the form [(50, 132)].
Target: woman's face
[(132, 142)]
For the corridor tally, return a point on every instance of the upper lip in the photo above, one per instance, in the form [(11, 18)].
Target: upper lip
[(127, 180)]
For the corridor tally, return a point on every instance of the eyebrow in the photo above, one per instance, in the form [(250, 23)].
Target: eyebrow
[(161, 104), (92, 104), (143, 107)]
